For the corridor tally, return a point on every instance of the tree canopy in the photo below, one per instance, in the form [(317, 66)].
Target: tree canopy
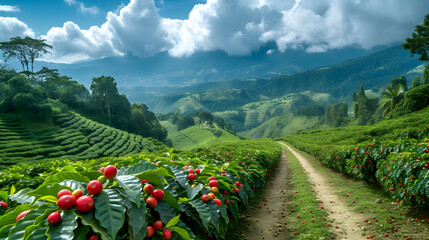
[(418, 43), (26, 50)]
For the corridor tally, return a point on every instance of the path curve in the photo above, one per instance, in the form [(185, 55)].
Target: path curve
[(349, 225)]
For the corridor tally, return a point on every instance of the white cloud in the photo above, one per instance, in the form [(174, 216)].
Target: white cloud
[(240, 27), (9, 8), (12, 27), (82, 8)]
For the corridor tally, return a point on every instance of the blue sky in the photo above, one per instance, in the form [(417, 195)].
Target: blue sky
[(81, 30)]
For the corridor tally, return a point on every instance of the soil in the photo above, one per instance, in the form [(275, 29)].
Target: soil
[(264, 219)]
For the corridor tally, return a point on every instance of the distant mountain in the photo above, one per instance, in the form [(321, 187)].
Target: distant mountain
[(339, 81), (161, 73)]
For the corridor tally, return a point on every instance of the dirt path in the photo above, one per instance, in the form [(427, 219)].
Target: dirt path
[(267, 215), (348, 223)]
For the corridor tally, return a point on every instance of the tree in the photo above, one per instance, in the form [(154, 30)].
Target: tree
[(104, 91), (26, 50), (35, 49), (391, 97), (399, 81), (336, 114), (416, 82), (425, 75), (419, 41)]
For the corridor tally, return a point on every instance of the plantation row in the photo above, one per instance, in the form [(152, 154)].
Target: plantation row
[(75, 138), (400, 166), (187, 195)]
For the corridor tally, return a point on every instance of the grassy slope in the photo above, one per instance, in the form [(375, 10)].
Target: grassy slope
[(386, 129), (281, 125), (195, 136)]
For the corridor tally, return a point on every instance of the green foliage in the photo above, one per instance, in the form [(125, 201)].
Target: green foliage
[(395, 82), (415, 100), (364, 108), (418, 43), (26, 50), (425, 75), (120, 211), (416, 82), (336, 114), (185, 122), (391, 97)]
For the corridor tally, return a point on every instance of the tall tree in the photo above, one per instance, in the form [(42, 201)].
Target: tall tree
[(418, 43), (104, 91), (425, 75), (26, 50), (415, 82), (391, 97), (35, 48), (16, 47)]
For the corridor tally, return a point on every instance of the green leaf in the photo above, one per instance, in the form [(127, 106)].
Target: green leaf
[(169, 198), (110, 211), (80, 232), (65, 229), (45, 189), (39, 220), (12, 190), (132, 187), (192, 192), (73, 185), (4, 231), (92, 175), (61, 176), (4, 196), (10, 217), (155, 176), (137, 223), (88, 219), (173, 221), (22, 197), (137, 168), (69, 168), (203, 211), (165, 210), (180, 176), (49, 198), (40, 232), (214, 214), (18, 231), (182, 232), (224, 212)]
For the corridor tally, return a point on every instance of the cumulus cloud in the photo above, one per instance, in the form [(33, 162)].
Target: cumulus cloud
[(12, 27), (9, 8), (240, 27), (82, 8)]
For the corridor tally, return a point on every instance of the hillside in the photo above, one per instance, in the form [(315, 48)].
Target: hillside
[(340, 80), (71, 136), (195, 136), (279, 116), (409, 125)]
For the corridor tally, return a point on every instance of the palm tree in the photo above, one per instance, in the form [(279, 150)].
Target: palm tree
[(391, 97)]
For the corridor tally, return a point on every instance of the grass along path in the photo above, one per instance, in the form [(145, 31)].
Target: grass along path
[(282, 211), (346, 222)]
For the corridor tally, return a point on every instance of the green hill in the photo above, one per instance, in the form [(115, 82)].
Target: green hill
[(408, 125), (196, 136), (71, 136)]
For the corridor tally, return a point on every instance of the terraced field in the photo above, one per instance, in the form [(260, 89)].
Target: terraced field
[(71, 137)]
